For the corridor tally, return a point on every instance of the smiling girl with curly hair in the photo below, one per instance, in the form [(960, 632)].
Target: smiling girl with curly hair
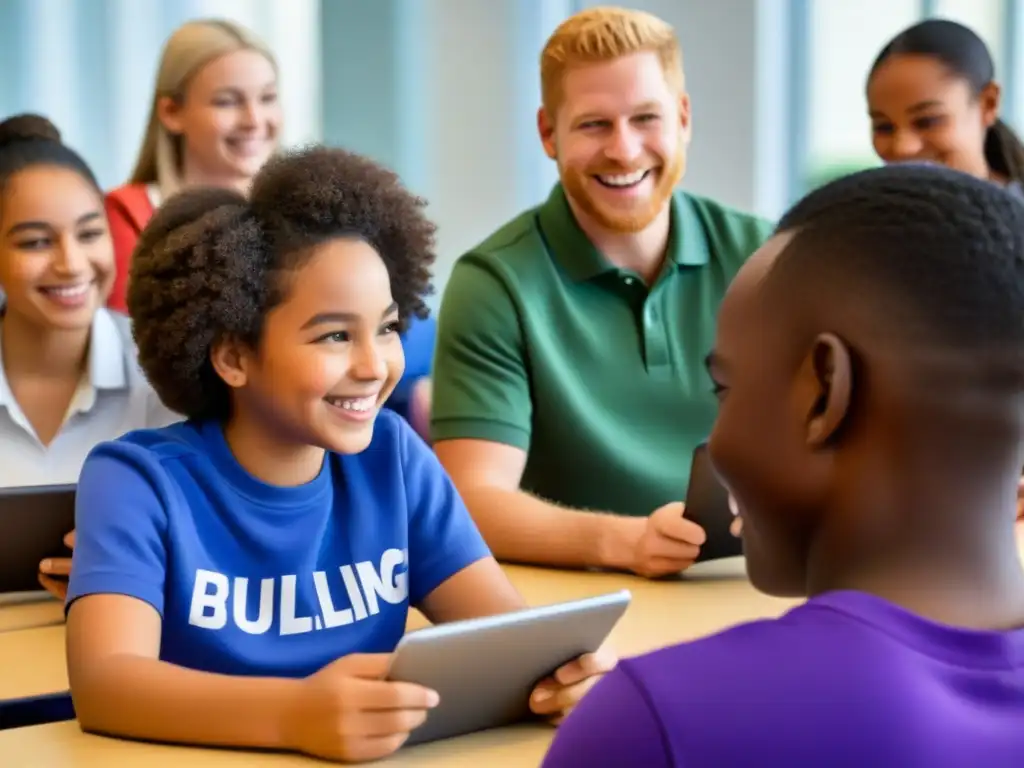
[(241, 578)]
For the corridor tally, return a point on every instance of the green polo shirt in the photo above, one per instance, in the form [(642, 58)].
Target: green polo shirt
[(544, 345)]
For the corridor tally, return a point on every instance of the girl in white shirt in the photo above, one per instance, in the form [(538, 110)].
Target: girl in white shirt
[(68, 374)]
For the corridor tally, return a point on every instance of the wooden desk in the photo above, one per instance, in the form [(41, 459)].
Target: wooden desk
[(31, 646), (712, 597), (33, 663), (24, 611)]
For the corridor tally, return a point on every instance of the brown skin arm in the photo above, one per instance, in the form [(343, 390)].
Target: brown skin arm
[(119, 686), (521, 528), (480, 589)]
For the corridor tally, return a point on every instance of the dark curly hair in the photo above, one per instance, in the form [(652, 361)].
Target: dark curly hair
[(211, 264)]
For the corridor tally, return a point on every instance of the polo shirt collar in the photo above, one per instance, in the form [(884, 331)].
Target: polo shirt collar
[(572, 249), (106, 367)]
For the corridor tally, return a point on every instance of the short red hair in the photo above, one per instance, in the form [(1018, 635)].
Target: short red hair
[(601, 34)]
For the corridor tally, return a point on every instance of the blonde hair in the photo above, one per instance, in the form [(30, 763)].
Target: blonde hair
[(601, 34), (187, 50)]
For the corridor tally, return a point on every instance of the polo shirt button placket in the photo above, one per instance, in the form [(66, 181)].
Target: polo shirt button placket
[(655, 342)]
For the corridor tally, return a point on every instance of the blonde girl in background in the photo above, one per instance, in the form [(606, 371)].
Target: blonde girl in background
[(215, 119)]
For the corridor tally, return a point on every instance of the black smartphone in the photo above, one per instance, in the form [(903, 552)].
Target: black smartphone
[(707, 504)]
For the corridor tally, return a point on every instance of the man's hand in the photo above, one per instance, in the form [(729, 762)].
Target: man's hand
[(554, 697), (736, 528), (54, 571), (669, 543)]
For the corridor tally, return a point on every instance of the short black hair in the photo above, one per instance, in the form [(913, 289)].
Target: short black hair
[(30, 140), (960, 50), (210, 264), (939, 252)]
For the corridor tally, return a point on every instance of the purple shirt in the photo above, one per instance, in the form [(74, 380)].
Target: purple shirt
[(846, 679)]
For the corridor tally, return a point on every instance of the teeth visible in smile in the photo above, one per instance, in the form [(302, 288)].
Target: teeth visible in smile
[(247, 146), (360, 404), (624, 180), (68, 291)]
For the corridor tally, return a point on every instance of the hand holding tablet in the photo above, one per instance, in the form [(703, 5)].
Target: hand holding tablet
[(488, 671), (453, 679), (34, 525), (54, 572), (348, 712), (555, 696)]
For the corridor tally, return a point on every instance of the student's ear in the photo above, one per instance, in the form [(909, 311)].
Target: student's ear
[(168, 111), (546, 129), (989, 100), (830, 372), (230, 358), (685, 118)]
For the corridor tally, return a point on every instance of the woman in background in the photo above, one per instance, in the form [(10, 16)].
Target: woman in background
[(68, 373), (932, 96), (214, 121)]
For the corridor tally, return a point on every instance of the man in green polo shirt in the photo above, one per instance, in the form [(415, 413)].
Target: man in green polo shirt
[(569, 380)]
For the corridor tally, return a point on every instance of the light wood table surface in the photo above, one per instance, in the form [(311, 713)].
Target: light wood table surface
[(29, 609), (711, 597), (31, 646), (32, 663)]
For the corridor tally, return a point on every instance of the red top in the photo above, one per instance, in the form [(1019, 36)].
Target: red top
[(129, 209)]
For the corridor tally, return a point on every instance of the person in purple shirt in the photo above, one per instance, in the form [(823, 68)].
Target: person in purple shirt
[(242, 578), (869, 362)]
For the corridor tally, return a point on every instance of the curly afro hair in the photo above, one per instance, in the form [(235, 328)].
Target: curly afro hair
[(211, 264)]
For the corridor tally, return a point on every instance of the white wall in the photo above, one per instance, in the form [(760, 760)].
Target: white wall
[(484, 161)]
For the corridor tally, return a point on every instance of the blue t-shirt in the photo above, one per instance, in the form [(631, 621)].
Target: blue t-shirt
[(254, 579)]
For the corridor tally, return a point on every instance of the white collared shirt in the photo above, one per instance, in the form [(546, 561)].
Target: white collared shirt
[(112, 399), (153, 193)]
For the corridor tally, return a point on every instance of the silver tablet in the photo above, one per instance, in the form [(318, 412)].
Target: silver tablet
[(485, 669)]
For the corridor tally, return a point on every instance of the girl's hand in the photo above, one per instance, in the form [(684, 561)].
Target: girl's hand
[(347, 711), (54, 571)]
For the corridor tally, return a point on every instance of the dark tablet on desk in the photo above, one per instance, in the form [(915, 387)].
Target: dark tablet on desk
[(485, 669), (33, 523), (707, 504)]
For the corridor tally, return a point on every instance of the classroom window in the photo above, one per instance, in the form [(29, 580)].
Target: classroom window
[(986, 17), (840, 41), (843, 39)]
